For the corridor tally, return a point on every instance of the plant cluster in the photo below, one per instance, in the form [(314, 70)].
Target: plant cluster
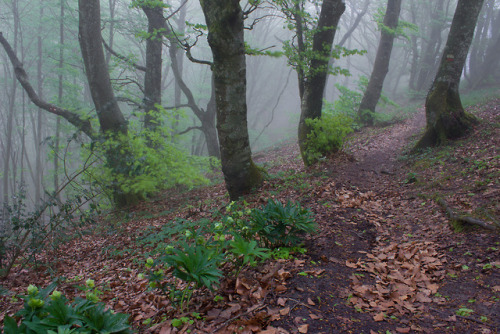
[(238, 238), (49, 311), (152, 160)]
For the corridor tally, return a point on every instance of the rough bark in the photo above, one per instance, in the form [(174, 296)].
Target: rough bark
[(314, 85), (224, 20), (381, 66), (446, 118), (153, 76)]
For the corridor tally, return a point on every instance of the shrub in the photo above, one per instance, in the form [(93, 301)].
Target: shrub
[(327, 135), (281, 225), (48, 311)]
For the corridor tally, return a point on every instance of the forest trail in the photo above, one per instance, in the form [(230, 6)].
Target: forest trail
[(384, 260), (390, 251)]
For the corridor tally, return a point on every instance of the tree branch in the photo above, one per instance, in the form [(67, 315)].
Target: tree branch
[(189, 129), (464, 219), (21, 75), (123, 58)]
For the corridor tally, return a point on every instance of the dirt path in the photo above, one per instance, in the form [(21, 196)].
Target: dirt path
[(388, 252)]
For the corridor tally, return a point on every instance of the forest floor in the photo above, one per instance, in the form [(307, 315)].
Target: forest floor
[(386, 258)]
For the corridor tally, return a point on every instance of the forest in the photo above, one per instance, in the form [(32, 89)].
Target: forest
[(250, 166)]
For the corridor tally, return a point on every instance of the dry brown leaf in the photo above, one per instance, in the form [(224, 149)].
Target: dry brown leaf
[(379, 316), (304, 328), (269, 330), (281, 301), (310, 302), (403, 330), (280, 288), (314, 316), (285, 311)]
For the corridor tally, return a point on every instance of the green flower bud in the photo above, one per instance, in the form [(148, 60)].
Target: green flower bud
[(188, 234), (169, 249), (218, 226), (92, 297), (230, 219), (55, 295), (150, 261), (140, 276), (90, 283), (35, 303), (32, 290)]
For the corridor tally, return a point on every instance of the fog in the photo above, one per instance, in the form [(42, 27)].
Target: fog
[(30, 138)]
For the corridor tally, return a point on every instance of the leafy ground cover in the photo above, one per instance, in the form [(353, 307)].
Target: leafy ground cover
[(386, 257)]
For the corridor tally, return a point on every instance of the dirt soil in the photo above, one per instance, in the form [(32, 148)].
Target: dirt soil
[(386, 258)]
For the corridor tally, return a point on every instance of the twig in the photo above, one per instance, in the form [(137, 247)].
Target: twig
[(236, 317), (464, 219)]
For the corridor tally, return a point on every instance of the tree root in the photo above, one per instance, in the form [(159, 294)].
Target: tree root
[(466, 219)]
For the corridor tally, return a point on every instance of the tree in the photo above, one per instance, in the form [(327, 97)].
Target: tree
[(310, 57), (381, 66), (446, 118), (224, 20)]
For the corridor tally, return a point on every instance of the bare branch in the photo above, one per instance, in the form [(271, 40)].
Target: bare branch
[(123, 58), (189, 129), (177, 10), (21, 75)]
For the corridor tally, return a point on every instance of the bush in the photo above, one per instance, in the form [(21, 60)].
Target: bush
[(44, 313), (278, 225), (327, 135)]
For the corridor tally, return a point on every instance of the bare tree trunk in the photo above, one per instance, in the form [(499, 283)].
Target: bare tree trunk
[(111, 119), (446, 118), (224, 20), (314, 86), (39, 122), (152, 79), (59, 100), (381, 66)]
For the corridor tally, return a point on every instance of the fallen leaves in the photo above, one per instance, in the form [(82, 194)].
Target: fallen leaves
[(406, 278)]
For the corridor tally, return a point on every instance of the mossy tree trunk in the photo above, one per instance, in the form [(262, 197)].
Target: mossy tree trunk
[(381, 66), (313, 87), (446, 118), (224, 20)]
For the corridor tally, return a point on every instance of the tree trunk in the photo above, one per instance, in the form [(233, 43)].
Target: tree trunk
[(224, 20), (152, 78), (446, 118), (314, 85), (487, 69), (381, 66), (111, 119), (428, 64)]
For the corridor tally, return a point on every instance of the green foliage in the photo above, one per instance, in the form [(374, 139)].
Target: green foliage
[(194, 251), (400, 30), (281, 225), (248, 251), (195, 263), (298, 18), (150, 162), (48, 311), (327, 134), (261, 52)]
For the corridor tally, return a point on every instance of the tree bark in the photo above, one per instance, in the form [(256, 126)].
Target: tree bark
[(446, 118), (381, 66), (111, 120), (224, 20), (314, 85), (153, 76)]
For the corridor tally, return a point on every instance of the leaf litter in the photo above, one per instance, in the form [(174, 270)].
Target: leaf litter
[(384, 258)]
